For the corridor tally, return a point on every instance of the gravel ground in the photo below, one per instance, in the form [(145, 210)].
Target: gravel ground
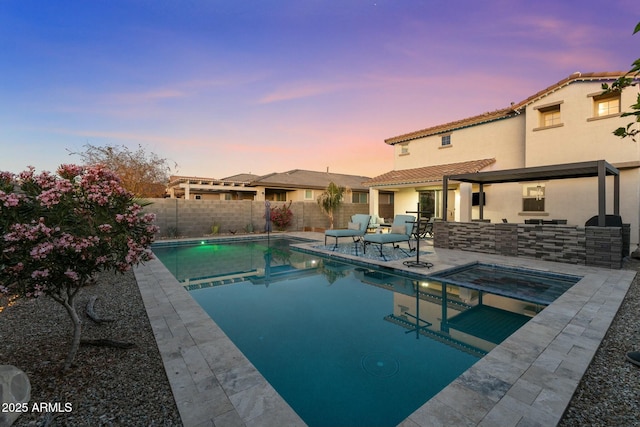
[(106, 386), (129, 387), (609, 393)]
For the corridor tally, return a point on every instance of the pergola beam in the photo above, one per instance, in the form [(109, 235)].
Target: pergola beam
[(598, 168)]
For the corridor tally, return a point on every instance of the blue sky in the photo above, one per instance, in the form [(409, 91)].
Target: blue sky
[(226, 87)]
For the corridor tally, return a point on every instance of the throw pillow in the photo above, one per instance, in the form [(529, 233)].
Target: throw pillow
[(399, 229), (354, 226)]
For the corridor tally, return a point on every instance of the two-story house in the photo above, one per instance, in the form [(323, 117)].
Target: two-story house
[(568, 122)]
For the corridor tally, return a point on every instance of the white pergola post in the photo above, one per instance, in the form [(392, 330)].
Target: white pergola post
[(463, 202), (374, 201)]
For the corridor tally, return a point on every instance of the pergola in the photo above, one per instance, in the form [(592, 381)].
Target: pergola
[(599, 168)]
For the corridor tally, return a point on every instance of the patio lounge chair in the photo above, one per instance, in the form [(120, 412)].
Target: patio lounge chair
[(401, 230), (356, 229)]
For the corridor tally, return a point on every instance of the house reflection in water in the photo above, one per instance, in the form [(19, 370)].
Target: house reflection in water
[(471, 320)]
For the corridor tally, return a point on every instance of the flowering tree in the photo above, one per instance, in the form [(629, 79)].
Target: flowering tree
[(56, 232)]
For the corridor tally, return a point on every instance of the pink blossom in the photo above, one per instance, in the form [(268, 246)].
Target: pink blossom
[(74, 209), (37, 274), (10, 200), (72, 275), (41, 250), (105, 228)]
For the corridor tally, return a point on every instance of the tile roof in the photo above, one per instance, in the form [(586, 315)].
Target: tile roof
[(299, 178), (427, 174), (242, 177), (504, 113)]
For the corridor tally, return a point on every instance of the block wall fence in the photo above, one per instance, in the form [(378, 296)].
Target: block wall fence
[(593, 246), (194, 218)]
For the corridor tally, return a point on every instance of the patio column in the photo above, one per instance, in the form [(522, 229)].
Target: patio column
[(463, 210), (616, 194), (445, 196), (602, 200), (374, 201), (481, 201), (186, 191)]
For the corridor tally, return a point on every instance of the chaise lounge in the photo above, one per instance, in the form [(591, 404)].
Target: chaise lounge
[(401, 230), (356, 230)]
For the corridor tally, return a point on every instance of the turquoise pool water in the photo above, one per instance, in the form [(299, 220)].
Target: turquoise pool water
[(345, 345)]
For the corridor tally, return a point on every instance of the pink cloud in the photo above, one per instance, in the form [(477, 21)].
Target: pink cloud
[(298, 90)]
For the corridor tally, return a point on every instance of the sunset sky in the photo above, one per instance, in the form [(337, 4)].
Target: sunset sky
[(239, 86)]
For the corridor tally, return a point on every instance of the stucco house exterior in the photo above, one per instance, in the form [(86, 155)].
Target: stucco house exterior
[(294, 185), (570, 121)]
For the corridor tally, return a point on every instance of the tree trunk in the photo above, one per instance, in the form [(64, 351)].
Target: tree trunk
[(77, 329)]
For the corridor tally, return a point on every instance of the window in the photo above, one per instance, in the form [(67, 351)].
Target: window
[(533, 198), (550, 116), (362, 198), (308, 194), (606, 105), (445, 140), (404, 149), (198, 197)]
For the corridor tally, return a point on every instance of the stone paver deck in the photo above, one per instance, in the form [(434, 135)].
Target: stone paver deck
[(528, 380)]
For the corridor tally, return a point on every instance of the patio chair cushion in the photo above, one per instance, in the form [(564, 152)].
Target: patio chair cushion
[(383, 238), (361, 219), (398, 229), (401, 229)]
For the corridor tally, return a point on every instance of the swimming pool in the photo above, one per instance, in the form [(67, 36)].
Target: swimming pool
[(331, 337), (525, 284)]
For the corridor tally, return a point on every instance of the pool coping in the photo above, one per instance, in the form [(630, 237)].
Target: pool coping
[(527, 380)]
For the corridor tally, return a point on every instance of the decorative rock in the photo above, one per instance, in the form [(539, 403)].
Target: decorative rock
[(15, 392)]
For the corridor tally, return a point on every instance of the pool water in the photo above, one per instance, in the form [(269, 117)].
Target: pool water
[(526, 284), (345, 345)]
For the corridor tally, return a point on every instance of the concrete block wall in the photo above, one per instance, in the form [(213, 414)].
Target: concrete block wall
[(594, 246), (194, 218)]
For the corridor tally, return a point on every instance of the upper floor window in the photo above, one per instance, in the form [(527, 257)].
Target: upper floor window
[(404, 149), (606, 105), (549, 115), (445, 140)]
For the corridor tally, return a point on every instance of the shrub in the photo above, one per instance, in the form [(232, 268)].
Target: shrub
[(56, 232), (281, 216)]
